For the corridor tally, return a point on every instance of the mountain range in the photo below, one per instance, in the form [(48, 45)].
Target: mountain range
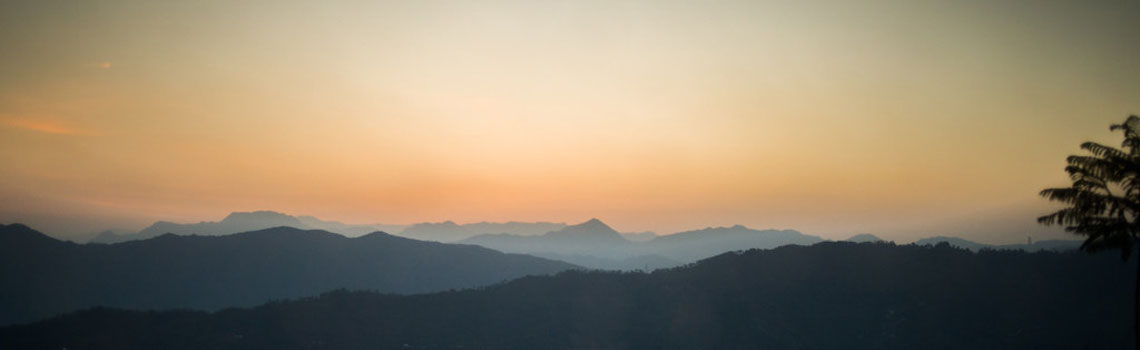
[(648, 251), (594, 244), (41, 276), (235, 222), (864, 238), (449, 231), (1051, 245), (244, 222), (831, 295)]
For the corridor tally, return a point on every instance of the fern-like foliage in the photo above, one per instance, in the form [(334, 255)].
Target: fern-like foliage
[(1103, 203)]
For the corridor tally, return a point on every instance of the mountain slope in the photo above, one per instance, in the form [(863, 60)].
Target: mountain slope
[(639, 236), (592, 244), (596, 245), (243, 222), (1048, 245), (834, 295), (693, 245), (351, 230), (233, 223), (42, 276), (864, 238), (449, 231)]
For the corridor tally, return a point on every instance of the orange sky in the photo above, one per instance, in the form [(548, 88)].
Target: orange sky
[(897, 118)]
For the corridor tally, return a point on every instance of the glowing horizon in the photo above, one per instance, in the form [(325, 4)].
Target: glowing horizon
[(899, 119)]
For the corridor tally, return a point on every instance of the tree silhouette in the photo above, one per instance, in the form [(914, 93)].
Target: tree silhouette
[(1103, 203)]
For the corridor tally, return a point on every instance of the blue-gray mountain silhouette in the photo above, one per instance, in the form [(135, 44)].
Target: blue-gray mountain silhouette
[(1051, 245), (591, 244), (691, 246), (596, 245), (109, 236), (41, 276), (235, 222), (643, 236), (243, 222), (449, 231), (864, 238), (832, 295)]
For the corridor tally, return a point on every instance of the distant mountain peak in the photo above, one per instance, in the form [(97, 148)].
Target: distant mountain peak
[(591, 230), (592, 226), (379, 234), (864, 237), (258, 216), (594, 223), (280, 229)]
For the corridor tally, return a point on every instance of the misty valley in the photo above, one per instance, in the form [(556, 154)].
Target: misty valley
[(582, 286)]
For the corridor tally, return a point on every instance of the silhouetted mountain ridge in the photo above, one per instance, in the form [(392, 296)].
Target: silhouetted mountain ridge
[(644, 236), (1051, 245), (831, 295), (449, 231), (15, 235), (864, 238), (589, 233), (596, 245), (243, 222), (42, 276)]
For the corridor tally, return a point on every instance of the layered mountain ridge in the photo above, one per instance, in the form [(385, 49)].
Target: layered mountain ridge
[(41, 276), (832, 295)]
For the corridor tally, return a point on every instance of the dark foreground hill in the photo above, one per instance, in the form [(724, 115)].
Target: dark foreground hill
[(41, 276), (837, 295)]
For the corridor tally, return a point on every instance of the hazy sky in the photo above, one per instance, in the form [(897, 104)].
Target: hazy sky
[(904, 119)]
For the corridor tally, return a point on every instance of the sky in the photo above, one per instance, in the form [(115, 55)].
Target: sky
[(905, 119)]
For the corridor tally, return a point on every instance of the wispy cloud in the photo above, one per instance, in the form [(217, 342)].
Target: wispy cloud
[(48, 127)]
